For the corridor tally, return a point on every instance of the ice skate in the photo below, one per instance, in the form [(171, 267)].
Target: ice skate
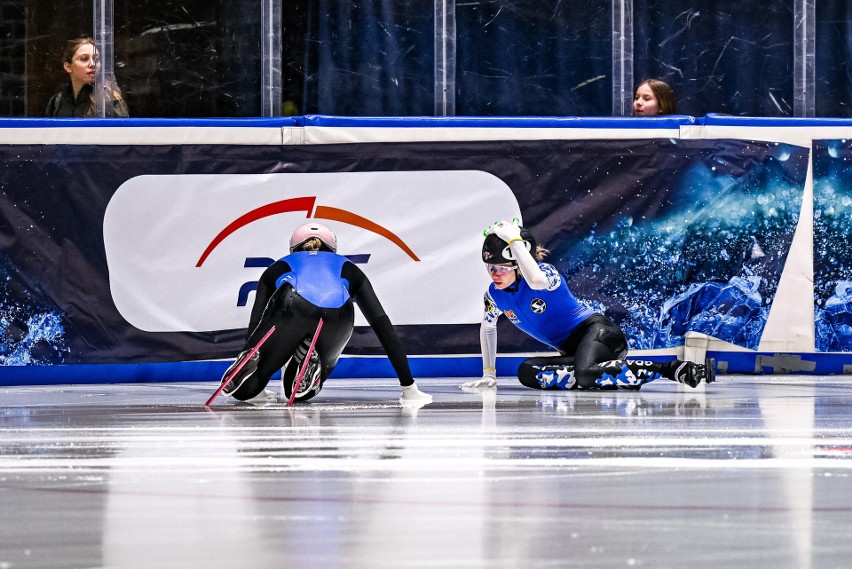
[(246, 372), (691, 373), (310, 382), (311, 379)]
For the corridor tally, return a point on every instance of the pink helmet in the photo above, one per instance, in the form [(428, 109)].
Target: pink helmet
[(317, 230)]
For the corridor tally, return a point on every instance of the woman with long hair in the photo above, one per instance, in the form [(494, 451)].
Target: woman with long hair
[(79, 60)]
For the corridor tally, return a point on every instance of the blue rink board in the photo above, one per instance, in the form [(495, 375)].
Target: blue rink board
[(380, 367), (639, 123)]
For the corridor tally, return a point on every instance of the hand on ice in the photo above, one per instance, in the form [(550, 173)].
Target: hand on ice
[(485, 381)]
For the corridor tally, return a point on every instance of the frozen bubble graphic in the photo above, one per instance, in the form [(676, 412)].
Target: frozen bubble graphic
[(834, 148), (709, 261), (783, 152), (29, 336), (843, 289), (833, 322), (731, 310)]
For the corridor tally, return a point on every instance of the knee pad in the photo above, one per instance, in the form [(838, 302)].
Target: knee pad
[(614, 339), (545, 373), (282, 299)]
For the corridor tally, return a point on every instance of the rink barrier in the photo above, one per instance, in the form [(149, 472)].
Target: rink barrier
[(320, 129), (380, 368), (145, 131)]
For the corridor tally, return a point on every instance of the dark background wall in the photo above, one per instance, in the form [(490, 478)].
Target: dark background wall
[(202, 58)]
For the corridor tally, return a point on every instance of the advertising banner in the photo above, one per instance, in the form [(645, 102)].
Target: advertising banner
[(832, 161), (116, 254)]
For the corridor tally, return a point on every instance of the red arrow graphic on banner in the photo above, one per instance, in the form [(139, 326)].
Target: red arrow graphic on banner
[(343, 216), (305, 204)]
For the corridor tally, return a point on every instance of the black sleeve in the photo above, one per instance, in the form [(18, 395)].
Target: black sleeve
[(265, 288), (52, 105), (363, 294)]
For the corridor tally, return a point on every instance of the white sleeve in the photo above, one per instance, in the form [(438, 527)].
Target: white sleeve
[(488, 344), (488, 337), (529, 267)]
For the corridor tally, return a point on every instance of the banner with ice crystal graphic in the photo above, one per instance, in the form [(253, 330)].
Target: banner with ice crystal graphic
[(672, 236), (832, 160), (117, 254)]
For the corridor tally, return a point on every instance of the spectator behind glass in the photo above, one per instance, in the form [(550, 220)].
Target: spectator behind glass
[(76, 100), (653, 98)]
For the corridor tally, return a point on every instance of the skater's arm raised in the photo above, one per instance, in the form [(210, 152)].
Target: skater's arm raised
[(510, 232)]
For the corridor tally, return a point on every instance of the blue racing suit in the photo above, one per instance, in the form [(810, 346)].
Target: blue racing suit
[(293, 294), (591, 347)]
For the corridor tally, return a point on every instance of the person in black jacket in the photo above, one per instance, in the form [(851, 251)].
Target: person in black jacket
[(79, 60), (312, 282)]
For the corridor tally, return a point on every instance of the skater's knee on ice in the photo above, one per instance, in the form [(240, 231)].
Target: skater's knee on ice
[(587, 378)]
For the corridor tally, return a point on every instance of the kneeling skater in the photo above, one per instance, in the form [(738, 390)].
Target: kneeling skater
[(536, 299), (310, 283)]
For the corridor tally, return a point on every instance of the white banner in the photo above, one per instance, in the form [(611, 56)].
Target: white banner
[(177, 245)]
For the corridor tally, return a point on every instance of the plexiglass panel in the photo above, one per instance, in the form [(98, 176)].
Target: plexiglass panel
[(225, 58), (12, 58), (189, 58), (366, 57), (833, 59), (719, 56), (534, 57), (38, 34)]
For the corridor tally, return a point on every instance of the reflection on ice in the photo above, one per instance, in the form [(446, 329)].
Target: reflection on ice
[(747, 470), (215, 516)]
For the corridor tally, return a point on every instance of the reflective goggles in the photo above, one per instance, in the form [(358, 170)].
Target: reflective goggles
[(499, 269)]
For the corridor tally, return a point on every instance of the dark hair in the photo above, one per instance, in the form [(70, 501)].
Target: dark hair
[(666, 104), (71, 47)]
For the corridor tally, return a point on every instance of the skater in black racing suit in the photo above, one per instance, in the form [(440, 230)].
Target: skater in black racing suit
[(312, 282)]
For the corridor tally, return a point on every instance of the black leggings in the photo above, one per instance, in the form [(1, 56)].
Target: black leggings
[(591, 358), (296, 319)]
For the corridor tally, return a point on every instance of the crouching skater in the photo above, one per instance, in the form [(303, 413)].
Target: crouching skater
[(535, 298), (313, 282)]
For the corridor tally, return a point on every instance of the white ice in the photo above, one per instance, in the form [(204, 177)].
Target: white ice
[(750, 471)]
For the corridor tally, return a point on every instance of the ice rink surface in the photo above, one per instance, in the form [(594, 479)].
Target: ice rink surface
[(752, 471)]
